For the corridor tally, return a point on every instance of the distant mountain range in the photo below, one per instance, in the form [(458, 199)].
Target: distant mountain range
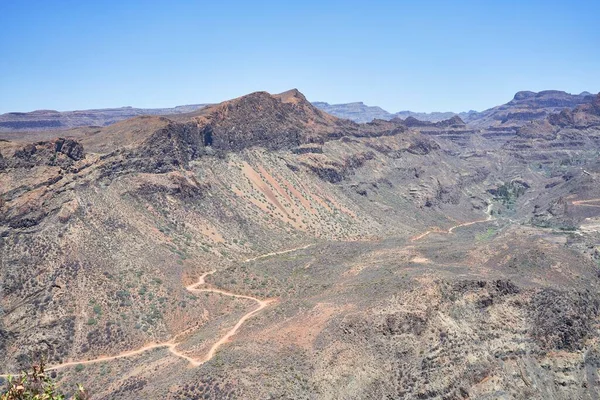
[(357, 112), (526, 106), (360, 112), (50, 119)]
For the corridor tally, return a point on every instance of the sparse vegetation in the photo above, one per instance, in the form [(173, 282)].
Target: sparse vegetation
[(367, 312)]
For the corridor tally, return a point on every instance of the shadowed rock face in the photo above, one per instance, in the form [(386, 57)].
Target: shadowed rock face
[(62, 152), (71, 148)]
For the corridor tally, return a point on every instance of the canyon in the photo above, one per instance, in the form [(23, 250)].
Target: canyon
[(263, 248)]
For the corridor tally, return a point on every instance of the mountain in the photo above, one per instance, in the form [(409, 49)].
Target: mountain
[(523, 108), (582, 116), (527, 106), (429, 117), (53, 120), (50, 119), (569, 134), (263, 248), (357, 112)]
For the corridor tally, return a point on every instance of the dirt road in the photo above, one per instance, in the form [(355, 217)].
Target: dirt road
[(452, 228), (278, 253), (584, 203), (171, 345)]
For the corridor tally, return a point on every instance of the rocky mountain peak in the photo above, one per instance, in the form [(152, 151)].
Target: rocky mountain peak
[(259, 119), (291, 96), (524, 94), (456, 120), (412, 121), (274, 121)]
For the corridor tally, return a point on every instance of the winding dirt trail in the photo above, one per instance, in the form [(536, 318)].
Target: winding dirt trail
[(171, 345), (261, 304), (452, 228)]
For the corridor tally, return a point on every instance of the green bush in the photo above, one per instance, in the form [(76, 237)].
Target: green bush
[(36, 385)]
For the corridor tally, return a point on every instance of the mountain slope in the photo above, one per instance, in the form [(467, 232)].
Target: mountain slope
[(392, 259)]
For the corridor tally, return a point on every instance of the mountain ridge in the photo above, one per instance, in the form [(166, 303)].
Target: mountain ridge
[(51, 119), (524, 106)]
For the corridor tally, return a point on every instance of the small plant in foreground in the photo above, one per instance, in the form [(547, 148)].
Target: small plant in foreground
[(36, 385)]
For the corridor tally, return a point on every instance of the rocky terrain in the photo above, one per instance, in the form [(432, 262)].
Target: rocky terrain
[(262, 248)]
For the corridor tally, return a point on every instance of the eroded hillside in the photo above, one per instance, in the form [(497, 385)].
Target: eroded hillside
[(391, 259)]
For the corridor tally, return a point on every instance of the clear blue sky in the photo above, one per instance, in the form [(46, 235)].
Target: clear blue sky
[(418, 55)]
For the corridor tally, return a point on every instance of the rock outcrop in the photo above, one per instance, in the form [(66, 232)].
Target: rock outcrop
[(61, 152)]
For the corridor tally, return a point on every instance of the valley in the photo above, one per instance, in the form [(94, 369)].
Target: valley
[(261, 248), (195, 288)]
